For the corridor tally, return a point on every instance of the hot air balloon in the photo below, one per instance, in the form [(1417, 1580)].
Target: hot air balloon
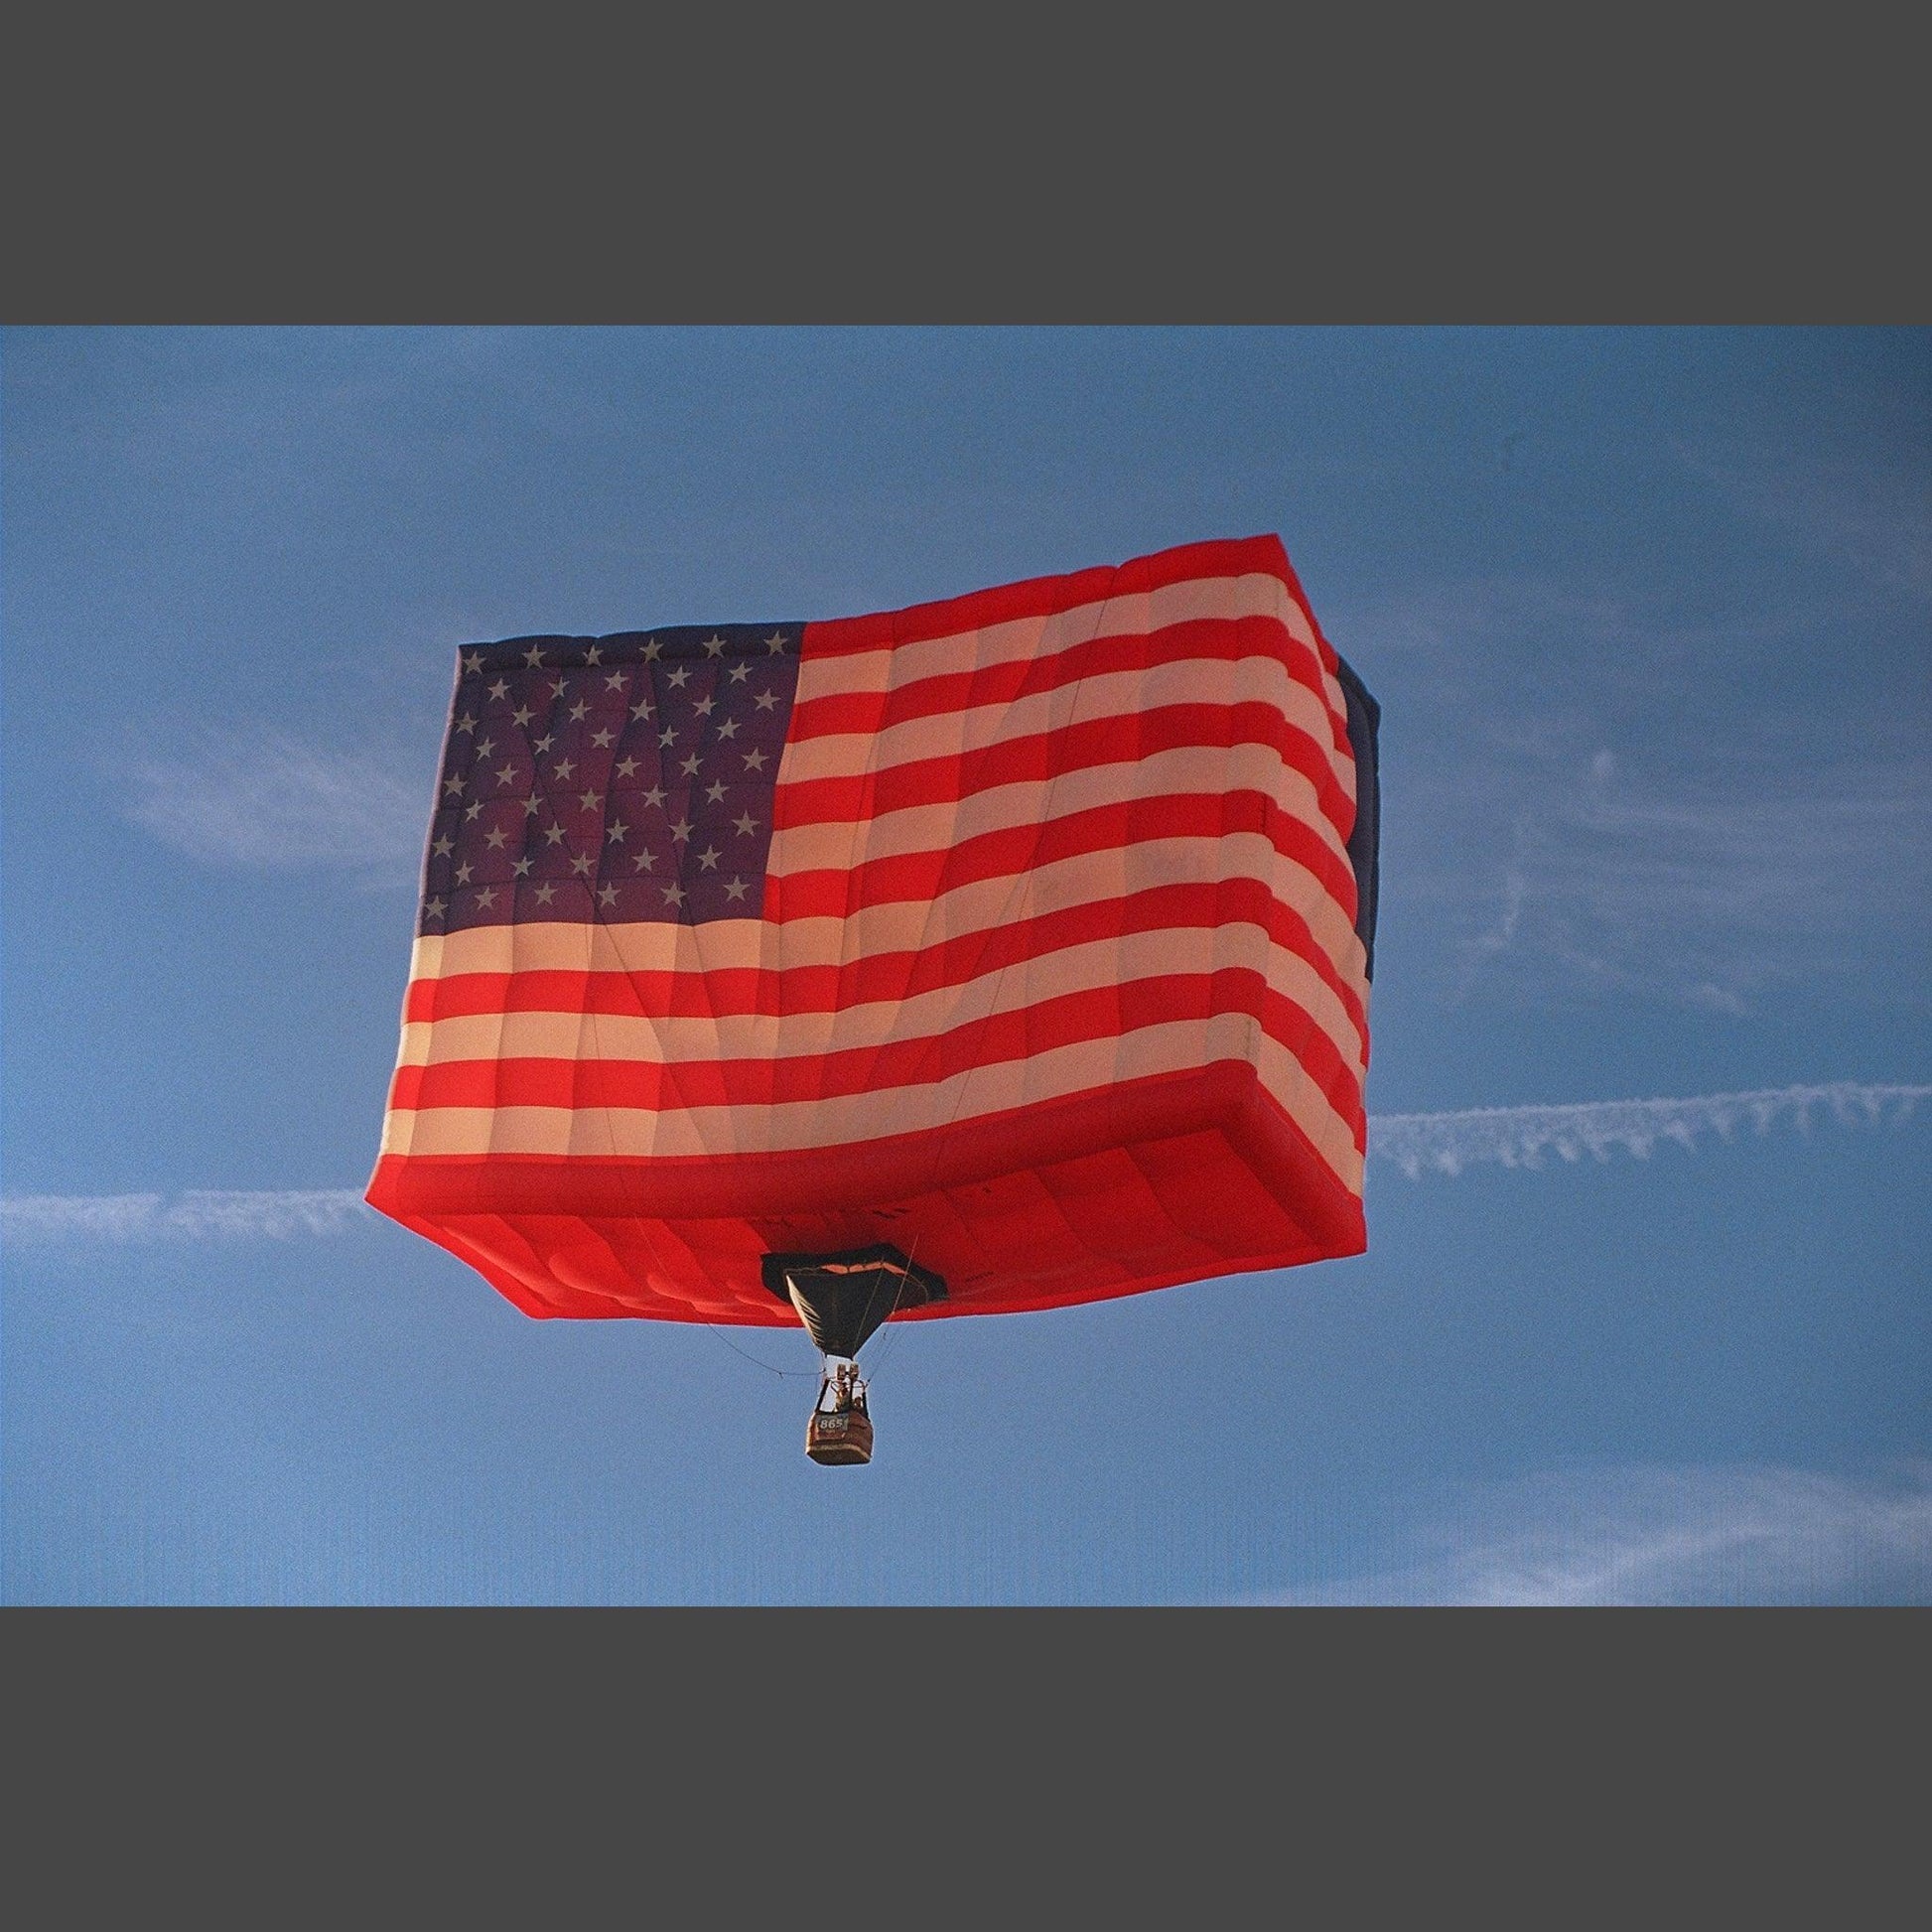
[(998, 954)]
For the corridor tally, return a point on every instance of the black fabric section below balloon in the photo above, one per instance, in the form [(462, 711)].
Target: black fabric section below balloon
[(843, 1297)]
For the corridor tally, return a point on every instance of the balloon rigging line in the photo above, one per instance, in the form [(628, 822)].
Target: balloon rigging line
[(886, 1347), (784, 1374)]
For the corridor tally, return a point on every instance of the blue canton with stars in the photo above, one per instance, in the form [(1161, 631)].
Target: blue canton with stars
[(610, 779)]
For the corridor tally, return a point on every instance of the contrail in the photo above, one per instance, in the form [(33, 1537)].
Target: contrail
[(1520, 1136), (198, 1214), (1514, 1137)]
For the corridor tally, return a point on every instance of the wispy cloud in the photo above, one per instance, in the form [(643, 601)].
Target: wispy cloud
[(198, 1214), (1524, 1137), (1591, 794), (1874, 521), (273, 801), (1616, 877), (1749, 1534)]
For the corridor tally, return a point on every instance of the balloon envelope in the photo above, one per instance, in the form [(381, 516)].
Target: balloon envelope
[(1027, 933)]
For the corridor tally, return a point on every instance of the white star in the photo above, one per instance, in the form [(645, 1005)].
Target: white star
[(587, 801), (564, 766), (776, 642), (627, 768), (436, 908), (486, 747), (608, 894), (543, 744), (614, 682), (463, 873), (595, 655), (582, 864), (754, 761), (559, 689), (651, 650), (521, 869), (442, 848), (739, 672), (729, 729), (642, 709), (654, 796), (554, 834), (603, 739), (521, 716), (452, 784), (532, 805), (545, 894), (735, 890), (681, 830), (714, 646), (645, 863), (501, 689), (705, 707), (534, 659), (767, 699), (506, 775), (668, 738), (709, 857), (473, 809), (472, 662), (673, 894), (616, 831), (496, 839), (690, 765), (714, 793), (746, 823), (579, 712), (466, 723), (679, 677), (486, 898)]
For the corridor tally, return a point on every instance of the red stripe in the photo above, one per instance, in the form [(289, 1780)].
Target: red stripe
[(1218, 639), (1045, 755), (736, 991), (1099, 1013), (1040, 596), (916, 878)]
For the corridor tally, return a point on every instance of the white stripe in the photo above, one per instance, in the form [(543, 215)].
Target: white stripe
[(1053, 1073), (568, 1034), (1190, 772), (982, 906), (889, 665), (1256, 679)]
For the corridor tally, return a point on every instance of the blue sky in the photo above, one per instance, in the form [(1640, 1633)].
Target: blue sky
[(1649, 614)]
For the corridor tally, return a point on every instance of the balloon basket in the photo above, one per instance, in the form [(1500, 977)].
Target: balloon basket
[(835, 1440), (839, 1431)]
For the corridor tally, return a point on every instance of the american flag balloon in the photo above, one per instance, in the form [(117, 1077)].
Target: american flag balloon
[(1023, 936)]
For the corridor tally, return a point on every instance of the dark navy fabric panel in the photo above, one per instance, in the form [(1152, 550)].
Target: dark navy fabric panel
[(1364, 842), (610, 779)]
